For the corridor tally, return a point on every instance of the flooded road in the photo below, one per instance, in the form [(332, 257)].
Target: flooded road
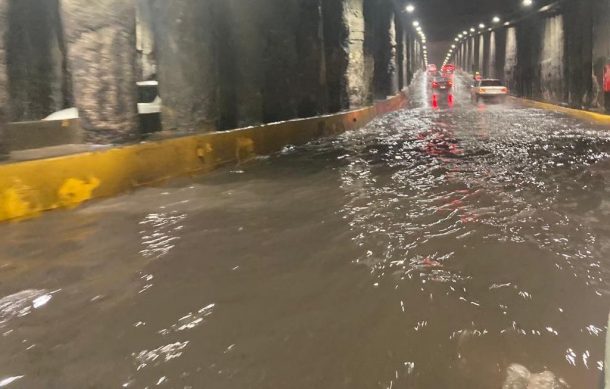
[(431, 249)]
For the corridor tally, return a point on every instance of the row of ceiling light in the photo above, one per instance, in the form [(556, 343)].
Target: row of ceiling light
[(410, 9), (496, 20)]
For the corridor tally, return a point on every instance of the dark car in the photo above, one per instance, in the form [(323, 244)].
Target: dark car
[(442, 84)]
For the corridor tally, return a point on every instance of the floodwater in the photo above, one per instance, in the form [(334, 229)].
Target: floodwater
[(431, 249)]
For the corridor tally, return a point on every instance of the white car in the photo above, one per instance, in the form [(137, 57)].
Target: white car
[(489, 89)]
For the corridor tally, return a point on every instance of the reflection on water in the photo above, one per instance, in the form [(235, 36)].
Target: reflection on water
[(22, 303), (161, 233), (432, 249)]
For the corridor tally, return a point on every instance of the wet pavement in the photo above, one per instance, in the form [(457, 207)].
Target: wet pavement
[(431, 249)]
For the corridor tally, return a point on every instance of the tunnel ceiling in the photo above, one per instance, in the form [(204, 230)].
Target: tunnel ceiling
[(441, 20)]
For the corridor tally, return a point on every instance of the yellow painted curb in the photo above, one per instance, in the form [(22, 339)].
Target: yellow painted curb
[(29, 188), (577, 113)]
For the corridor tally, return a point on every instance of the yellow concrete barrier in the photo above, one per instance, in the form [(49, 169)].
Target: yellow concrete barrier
[(594, 117), (29, 188)]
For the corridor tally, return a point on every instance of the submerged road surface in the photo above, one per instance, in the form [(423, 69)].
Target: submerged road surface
[(431, 249)]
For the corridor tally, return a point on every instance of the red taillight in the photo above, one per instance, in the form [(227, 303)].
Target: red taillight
[(449, 84), (435, 85), (504, 90)]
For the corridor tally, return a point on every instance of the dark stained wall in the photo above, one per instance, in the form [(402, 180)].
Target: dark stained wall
[(220, 64), (101, 54), (38, 83)]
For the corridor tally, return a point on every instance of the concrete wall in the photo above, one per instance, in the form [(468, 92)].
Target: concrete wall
[(552, 58), (187, 64), (510, 59), (145, 42), (36, 70), (220, 64), (3, 77), (101, 53), (601, 54), (382, 43), (558, 54)]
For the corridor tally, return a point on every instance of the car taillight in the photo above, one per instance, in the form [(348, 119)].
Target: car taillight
[(482, 90), (435, 85), (449, 84), (504, 90)]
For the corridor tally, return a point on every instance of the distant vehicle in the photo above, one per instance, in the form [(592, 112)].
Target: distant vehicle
[(432, 70), (448, 69), (488, 89), (442, 84)]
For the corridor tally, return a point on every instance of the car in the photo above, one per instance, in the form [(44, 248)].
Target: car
[(448, 69), (441, 84), (489, 89)]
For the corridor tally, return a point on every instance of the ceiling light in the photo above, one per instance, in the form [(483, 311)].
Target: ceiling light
[(481, 25), (527, 3), (496, 19), (410, 8), (416, 23)]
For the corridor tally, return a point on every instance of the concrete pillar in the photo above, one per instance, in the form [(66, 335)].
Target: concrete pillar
[(350, 64), (552, 59), (578, 25), (405, 48), (499, 46), (145, 41), (529, 36), (491, 56), (468, 58), (271, 61), (476, 55), (510, 61), (36, 70), (384, 47), (482, 53), (411, 60), (100, 41), (3, 77), (460, 59), (400, 52), (311, 60), (247, 42), (279, 60), (601, 56), (472, 56), (187, 67)]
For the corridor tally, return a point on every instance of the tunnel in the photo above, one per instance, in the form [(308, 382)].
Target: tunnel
[(277, 194)]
